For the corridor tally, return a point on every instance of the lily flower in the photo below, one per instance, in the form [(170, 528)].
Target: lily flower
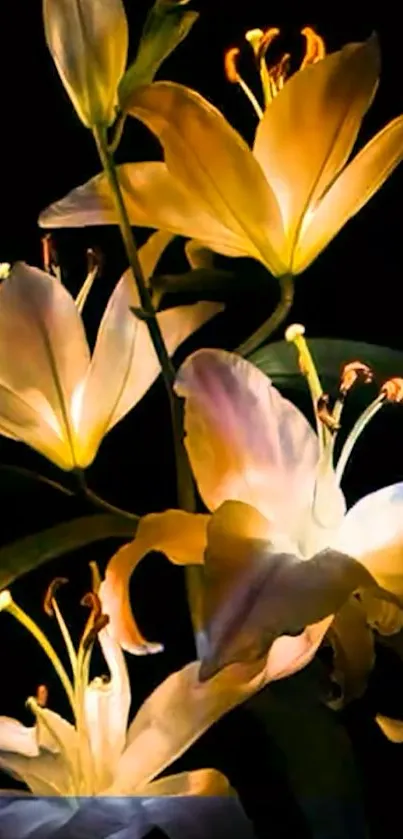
[(279, 555), (280, 203), (99, 754), (53, 395)]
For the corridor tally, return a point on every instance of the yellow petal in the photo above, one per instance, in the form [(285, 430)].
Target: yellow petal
[(308, 131), (246, 442), (351, 191), (44, 358), (88, 41), (153, 198), (198, 782), (180, 536), (212, 161), (392, 729), (372, 532)]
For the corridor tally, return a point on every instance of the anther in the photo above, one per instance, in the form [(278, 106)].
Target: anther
[(315, 48), (392, 390), (51, 594), (325, 415), (230, 65), (353, 372)]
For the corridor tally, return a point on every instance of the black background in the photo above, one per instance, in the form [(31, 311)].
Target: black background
[(353, 290)]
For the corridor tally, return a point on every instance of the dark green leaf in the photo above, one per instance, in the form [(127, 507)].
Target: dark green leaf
[(166, 26), (279, 361), (28, 553)]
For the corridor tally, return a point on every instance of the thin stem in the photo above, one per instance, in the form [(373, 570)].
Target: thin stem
[(274, 321), (118, 131), (185, 486), (99, 502)]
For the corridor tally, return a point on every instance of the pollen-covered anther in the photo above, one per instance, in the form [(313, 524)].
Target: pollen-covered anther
[(51, 595), (96, 621), (49, 254), (42, 694), (315, 48), (260, 40), (230, 65), (353, 372), (325, 415), (392, 390)]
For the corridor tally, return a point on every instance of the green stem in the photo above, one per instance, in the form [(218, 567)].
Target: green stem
[(185, 486), (274, 321), (99, 502)]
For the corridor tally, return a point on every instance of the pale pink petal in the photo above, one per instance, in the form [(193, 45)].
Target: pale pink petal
[(182, 708), (372, 532), (245, 441), (180, 536), (44, 359)]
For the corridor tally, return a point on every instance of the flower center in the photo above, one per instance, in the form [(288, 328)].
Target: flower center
[(272, 75), (83, 774)]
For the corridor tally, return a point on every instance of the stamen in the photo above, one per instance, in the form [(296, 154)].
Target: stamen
[(233, 76), (353, 372), (392, 390), (96, 621), (51, 607), (7, 604), (295, 334), (94, 264), (42, 694), (326, 416), (355, 432), (49, 257), (49, 600), (260, 41), (315, 48)]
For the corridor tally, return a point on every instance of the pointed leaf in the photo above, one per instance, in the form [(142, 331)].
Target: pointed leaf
[(280, 362), (167, 24), (27, 554)]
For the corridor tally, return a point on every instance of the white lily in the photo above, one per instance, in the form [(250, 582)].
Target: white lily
[(275, 502), (53, 395), (99, 754)]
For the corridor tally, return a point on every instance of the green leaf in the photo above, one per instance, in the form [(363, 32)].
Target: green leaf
[(32, 551), (167, 24), (280, 361)]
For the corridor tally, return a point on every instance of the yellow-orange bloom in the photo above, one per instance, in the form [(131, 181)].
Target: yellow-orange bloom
[(280, 203)]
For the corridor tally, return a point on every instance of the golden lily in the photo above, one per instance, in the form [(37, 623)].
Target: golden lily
[(53, 395), (98, 755), (88, 40), (275, 503), (280, 203)]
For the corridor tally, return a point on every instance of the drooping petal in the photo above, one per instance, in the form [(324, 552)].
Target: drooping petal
[(198, 782), (352, 189), (354, 654), (246, 442), (43, 756), (88, 40), (182, 707), (308, 131), (180, 536), (124, 364), (107, 706), (212, 161), (153, 198), (256, 590), (43, 360), (392, 729), (372, 532)]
